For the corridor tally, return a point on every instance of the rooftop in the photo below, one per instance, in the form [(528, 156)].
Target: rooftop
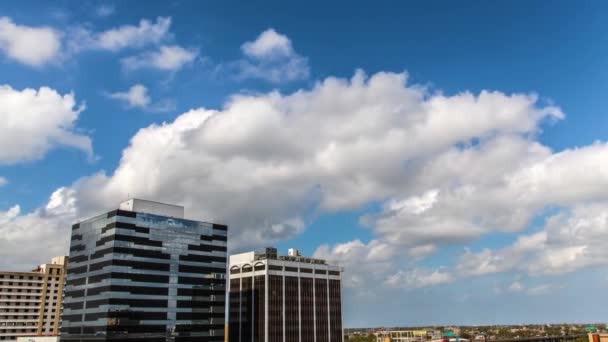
[(151, 207), (271, 253)]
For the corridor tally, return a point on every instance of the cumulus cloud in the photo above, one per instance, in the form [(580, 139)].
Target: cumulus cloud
[(271, 57), (268, 45), (145, 33), (569, 241), (34, 121), (3, 181), (28, 239), (166, 58), (136, 96), (31, 45), (447, 169)]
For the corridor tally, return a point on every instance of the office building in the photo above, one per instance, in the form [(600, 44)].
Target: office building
[(144, 273), (284, 298), (30, 302)]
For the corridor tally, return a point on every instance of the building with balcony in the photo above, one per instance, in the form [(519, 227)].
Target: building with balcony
[(31, 302)]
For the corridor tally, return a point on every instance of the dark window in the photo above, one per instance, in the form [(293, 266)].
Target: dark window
[(275, 308), (322, 325), (307, 309), (201, 258), (292, 332), (220, 227), (259, 305), (234, 318), (77, 270), (137, 290), (335, 310), (199, 269), (77, 248), (79, 258)]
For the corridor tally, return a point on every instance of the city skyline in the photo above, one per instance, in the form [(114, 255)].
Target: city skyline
[(451, 156)]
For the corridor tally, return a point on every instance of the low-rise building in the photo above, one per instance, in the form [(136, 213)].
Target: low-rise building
[(31, 302), (598, 337)]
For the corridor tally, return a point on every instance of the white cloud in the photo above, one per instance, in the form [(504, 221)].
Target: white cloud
[(136, 96), (269, 44), (271, 57), (3, 181), (418, 278), (570, 240), (34, 121), (129, 36), (532, 290), (33, 238), (166, 58), (105, 10), (447, 168), (146, 33), (33, 46)]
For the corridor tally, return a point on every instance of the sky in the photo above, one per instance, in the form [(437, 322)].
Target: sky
[(450, 155)]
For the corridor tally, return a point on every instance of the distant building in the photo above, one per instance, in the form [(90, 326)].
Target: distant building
[(144, 273), (284, 298), (38, 339), (401, 335), (598, 337), (30, 302)]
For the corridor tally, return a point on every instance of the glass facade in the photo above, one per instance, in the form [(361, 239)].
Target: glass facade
[(137, 276)]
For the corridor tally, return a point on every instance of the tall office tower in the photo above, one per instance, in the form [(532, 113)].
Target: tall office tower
[(144, 273), (30, 302), (284, 298)]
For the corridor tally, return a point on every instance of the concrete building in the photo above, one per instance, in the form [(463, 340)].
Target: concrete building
[(31, 302), (284, 298), (38, 339), (144, 273), (401, 335), (598, 337)]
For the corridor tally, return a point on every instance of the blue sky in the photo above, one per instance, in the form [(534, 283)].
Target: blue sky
[(451, 155)]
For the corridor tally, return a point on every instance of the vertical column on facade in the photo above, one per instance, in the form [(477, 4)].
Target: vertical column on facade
[(59, 299), (240, 306), (45, 285), (284, 303), (341, 307), (266, 302), (252, 314), (299, 307), (328, 309), (314, 304)]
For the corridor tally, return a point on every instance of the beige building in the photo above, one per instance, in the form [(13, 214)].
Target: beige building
[(31, 302), (598, 337)]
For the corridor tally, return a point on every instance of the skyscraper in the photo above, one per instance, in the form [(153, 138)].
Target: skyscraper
[(145, 273), (284, 298), (30, 302)]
